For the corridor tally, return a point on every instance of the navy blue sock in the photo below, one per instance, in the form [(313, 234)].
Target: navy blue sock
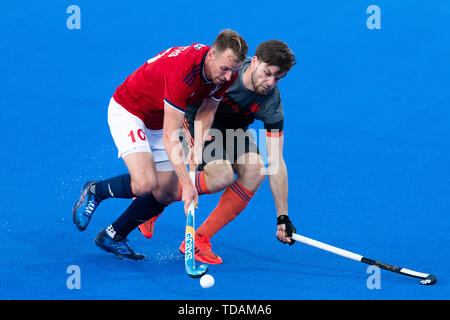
[(117, 187), (139, 211)]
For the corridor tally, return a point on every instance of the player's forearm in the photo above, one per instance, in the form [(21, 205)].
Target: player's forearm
[(204, 119), (175, 153), (278, 181), (173, 120)]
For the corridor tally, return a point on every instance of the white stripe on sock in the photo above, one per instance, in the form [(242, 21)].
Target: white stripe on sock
[(110, 191)]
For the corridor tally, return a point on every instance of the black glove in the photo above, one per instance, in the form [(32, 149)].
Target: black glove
[(290, 229)]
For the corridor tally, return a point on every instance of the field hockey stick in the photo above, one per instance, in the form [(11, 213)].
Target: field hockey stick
[(427, 279), (189, 257)]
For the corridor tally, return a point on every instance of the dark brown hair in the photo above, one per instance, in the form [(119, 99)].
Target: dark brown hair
[(229, 39), (276, 53)]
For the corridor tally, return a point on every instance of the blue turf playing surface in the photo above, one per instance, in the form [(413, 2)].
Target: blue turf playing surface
[(367, 145)]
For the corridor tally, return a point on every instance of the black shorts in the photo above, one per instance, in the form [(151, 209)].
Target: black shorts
[(224, 143)]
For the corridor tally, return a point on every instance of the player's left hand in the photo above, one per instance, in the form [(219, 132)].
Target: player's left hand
[(285, 228)]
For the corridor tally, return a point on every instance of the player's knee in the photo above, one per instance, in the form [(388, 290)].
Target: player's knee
[(227, 177), (171, 197), (142, 187), (254, 176), (221, 174), (259, 176), (166, 196)]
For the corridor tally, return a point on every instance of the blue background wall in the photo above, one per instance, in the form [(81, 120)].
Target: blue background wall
[(366, 145)]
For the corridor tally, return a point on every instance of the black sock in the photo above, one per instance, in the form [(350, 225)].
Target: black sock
[(117, 187), (139, 211)]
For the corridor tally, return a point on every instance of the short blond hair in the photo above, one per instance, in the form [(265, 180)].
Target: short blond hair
[(229, 39)]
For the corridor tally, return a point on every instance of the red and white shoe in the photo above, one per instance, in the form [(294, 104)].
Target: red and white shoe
[(146, 228), (203, 251)]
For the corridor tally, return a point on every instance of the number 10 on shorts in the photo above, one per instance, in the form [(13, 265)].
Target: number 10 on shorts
[(140, 134)]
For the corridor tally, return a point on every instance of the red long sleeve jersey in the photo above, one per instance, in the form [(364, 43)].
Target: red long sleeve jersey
[(175, 76)]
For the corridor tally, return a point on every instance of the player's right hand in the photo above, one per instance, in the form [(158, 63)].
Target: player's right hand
[(189, 194)]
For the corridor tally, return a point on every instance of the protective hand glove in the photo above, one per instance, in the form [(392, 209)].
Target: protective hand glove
[(285, 229)]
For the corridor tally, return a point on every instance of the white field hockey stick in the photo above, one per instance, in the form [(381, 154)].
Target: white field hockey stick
[(427, 279)]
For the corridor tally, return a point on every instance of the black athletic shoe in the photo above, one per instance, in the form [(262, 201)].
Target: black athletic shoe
[(120, 248)]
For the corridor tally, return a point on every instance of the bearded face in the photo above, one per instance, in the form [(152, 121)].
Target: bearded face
[(264, 77)]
